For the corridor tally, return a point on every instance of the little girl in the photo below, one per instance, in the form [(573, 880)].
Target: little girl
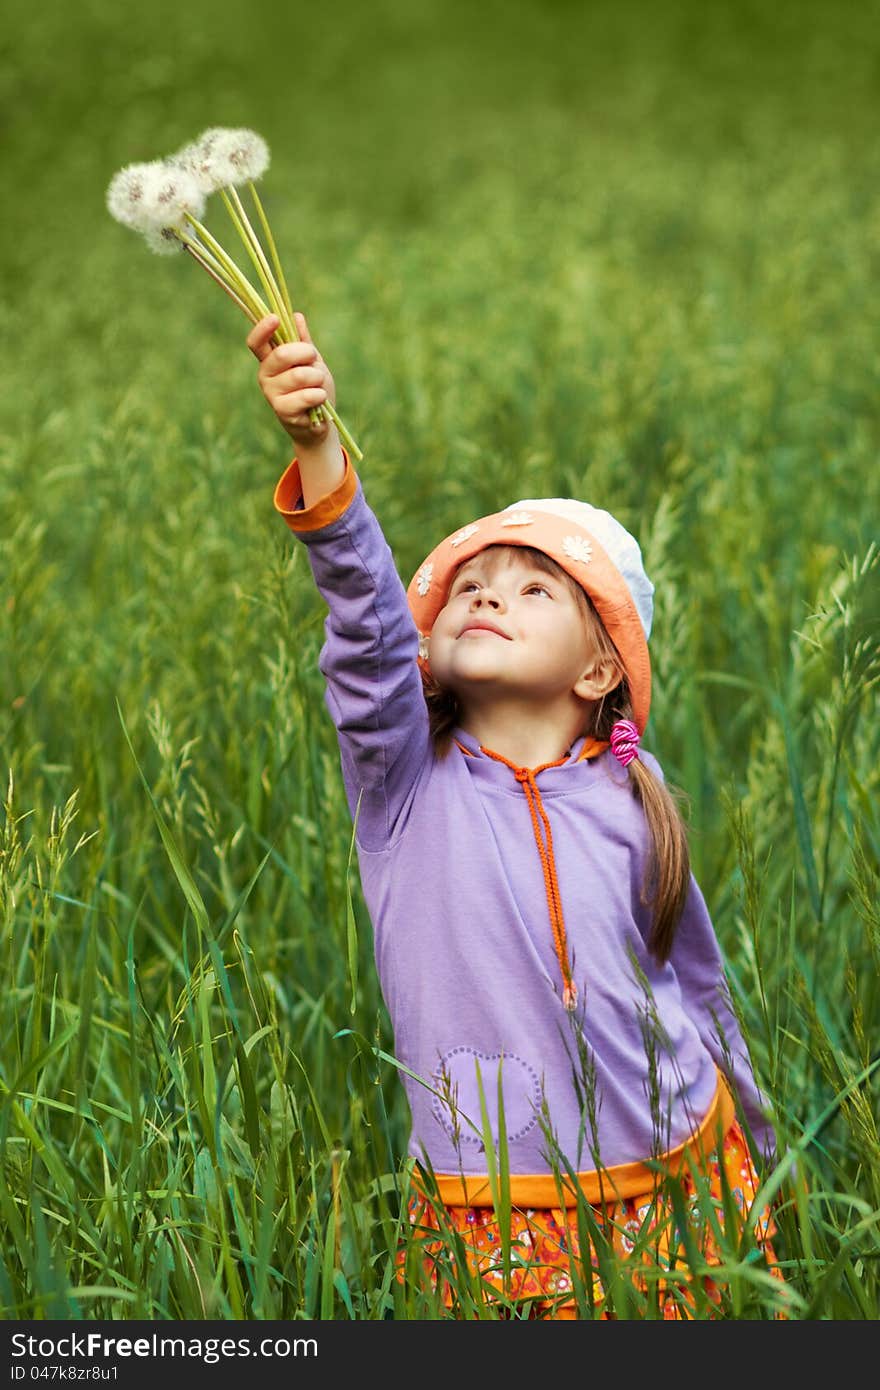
[(537, 929)]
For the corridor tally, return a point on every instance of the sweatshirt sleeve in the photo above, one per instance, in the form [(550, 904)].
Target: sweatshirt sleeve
[(369, 658), (696, 959)]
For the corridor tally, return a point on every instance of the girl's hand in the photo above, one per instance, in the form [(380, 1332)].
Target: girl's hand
[(294, 378)]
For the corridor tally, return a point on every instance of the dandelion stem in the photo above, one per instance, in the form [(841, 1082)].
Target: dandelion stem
[(225, 271), (255, 251), (281, 286), (344, 435), (189, 247), (273, 252), (204, 251), (208, 260), (243, 226), (235, 276), (205, 254)]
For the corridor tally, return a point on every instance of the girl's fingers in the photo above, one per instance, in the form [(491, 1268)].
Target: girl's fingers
[(296, 379), (288, 355), (293, 377), (296, 403), (258, 340)]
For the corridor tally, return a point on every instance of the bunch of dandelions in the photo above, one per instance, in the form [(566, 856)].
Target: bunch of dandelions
[(165, 200)]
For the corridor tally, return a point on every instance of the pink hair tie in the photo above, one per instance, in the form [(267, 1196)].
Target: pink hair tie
[(625, 741)]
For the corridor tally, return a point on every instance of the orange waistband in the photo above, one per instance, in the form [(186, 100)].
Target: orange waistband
[(597, 1185)]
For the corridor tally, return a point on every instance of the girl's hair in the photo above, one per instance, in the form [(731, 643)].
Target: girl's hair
[(667, 875)]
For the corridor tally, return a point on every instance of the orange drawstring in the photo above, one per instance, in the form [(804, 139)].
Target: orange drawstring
[(526, 778)]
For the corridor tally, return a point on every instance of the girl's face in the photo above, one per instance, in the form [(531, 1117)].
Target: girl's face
[(511, 629)]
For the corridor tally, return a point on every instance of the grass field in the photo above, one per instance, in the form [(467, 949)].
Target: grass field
[(616, 251)]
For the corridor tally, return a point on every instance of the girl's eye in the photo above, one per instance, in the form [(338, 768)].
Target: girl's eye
[(468, 584), (537, 589)]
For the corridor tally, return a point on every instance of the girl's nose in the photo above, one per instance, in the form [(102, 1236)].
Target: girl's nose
[(487, 597)]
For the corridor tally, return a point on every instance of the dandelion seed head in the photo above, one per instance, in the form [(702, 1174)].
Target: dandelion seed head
[(125, 195), (150, 197), (199, 159), (230, 157), (162, 242), (170, 192)]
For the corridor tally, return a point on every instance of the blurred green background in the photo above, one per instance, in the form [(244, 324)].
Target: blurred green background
[(585, 248), (627, 252)]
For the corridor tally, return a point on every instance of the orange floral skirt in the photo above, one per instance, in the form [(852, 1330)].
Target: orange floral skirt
[(641, 1235)]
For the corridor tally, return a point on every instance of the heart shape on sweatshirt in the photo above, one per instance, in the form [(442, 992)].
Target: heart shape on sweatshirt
[(457, 1108)]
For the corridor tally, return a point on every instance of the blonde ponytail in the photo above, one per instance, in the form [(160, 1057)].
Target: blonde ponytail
[(667, 875)]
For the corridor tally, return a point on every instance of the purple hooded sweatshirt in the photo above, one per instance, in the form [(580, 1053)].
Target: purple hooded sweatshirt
[(454, 885)]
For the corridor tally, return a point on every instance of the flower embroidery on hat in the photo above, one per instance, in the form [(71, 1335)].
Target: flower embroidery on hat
[(578, 548), (423, 646), (424, 577), (518, 519), (464, 534)]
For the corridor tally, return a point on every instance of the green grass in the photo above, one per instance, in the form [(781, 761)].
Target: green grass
[(606, 251)]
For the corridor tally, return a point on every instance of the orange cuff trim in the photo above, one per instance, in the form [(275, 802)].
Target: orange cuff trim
[(540, 1190), (288, 494)]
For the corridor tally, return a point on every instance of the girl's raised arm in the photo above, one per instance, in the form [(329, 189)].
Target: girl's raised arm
[(369, 659)]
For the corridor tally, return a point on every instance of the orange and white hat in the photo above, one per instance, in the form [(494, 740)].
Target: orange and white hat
[(588, 543)]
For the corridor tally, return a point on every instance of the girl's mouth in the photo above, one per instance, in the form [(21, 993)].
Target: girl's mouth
[(474, 628)]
